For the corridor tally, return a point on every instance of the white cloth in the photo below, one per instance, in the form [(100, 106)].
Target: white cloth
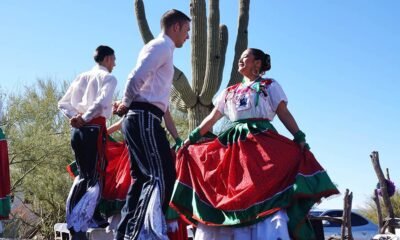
[(113, 223), (90, 94), (151, 80), (173, 226), (154, 225), (272, 228), (80, 218), (241, 103)]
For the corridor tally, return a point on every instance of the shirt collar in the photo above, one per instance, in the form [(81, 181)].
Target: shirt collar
[(169, 41), (98, 66)]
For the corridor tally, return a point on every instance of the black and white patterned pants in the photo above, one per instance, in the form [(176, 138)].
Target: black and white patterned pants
[(151, 166)]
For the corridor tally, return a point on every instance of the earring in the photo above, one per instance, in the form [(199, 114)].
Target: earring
[(255, 72)]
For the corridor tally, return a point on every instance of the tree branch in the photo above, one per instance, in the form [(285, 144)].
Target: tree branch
[(383, 186), (26, 173)]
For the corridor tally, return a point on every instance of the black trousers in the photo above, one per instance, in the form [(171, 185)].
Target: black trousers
[(151, 166), (85, 143)]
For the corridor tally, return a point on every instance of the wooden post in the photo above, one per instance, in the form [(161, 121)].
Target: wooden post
[(346, 232), (344, 217), (348, 210), (383, 187), (387, 174), (379, 210)]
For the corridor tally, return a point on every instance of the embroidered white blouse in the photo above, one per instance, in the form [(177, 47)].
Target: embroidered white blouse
[(90, 94), (241, 102)]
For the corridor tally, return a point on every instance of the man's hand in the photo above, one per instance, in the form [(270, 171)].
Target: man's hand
[(121, 110), (77, 121), (115, 106)]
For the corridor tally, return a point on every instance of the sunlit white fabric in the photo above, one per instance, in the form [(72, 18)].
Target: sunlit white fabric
[(151, 80), (80, 219), (273, 228), (239, 103), (90, 94), (154, 226)]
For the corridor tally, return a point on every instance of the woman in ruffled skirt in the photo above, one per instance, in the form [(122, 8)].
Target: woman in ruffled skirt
[(250, 182)]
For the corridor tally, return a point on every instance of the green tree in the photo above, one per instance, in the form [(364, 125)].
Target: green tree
[(39, 150), (38, 136)]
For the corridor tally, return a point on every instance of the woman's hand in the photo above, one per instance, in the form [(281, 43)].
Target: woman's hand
[(304, 145), (186, 143), (178, 144)]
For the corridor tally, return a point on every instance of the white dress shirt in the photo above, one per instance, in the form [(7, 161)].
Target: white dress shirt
[(151, 80), (90, 94)]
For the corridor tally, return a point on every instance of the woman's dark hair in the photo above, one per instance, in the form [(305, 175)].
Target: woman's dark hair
[(173, 16), (101, 52), (264, 57)]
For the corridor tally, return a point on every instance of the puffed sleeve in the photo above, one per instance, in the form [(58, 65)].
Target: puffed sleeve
[(220, 101), (277, 95)]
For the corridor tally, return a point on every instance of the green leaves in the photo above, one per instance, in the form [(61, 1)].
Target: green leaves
[(39, 150)]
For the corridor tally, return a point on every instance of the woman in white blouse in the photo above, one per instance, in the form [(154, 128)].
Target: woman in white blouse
[(250, 182)]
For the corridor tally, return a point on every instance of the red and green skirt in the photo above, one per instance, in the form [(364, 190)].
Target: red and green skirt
[(5, 201), (246, 174), (116, 177)]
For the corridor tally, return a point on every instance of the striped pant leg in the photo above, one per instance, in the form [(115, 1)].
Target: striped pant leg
[(151, 166), (84, 143)]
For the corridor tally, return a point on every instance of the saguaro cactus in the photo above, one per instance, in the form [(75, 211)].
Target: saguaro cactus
[(208, 60)]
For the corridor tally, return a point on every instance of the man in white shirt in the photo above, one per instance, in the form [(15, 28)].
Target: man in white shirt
[(87, 104), (145, 103)]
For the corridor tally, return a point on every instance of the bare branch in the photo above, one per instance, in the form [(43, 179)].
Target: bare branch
[(383, 186), (26, 173)]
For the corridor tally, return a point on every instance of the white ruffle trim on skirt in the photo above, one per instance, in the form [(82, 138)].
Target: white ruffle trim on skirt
[(273, 227), (80, 218)]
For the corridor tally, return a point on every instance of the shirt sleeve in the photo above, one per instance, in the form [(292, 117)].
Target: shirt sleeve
[(150, 60), (277, 95), (104, 100), (65, 104), (220, 101)]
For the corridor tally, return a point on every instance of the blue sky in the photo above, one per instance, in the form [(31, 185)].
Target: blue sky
[(336, 61)]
